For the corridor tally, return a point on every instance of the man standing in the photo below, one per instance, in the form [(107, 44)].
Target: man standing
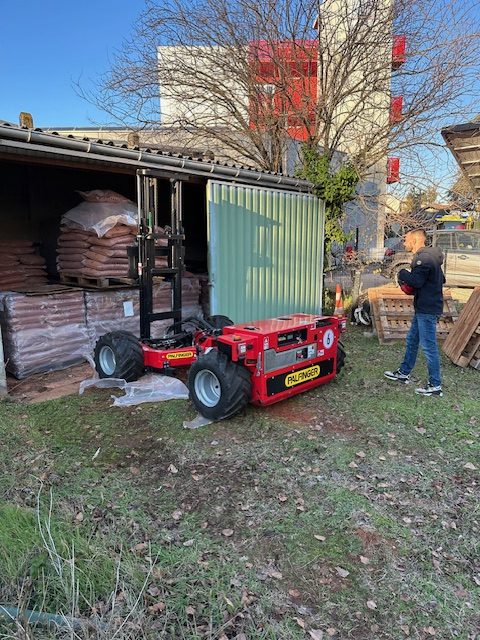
[(426, 277)]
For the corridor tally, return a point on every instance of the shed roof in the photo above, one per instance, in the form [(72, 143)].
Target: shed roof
[(463, 140), (24, 143)]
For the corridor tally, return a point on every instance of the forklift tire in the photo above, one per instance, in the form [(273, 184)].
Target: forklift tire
[(341, 355), (218, 322), (118, 354), (218, 387)]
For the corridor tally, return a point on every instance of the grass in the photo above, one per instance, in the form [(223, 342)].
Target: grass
[(347, 510)]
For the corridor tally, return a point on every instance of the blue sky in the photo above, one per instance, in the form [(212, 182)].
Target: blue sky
[(47, 45)]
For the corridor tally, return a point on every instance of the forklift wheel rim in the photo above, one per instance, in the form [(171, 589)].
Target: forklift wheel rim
[(107, 360), (207, 388)]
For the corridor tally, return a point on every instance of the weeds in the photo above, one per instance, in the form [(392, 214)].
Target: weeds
[(351, 510)]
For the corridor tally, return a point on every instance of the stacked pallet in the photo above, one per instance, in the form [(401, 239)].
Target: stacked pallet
[(463, 343), (43, 332), (392, 313), (119, 309), (20, 266)]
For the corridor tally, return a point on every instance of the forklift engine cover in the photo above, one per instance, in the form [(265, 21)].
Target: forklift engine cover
[(285, 355)]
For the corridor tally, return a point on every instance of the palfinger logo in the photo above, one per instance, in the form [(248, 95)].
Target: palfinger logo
[(297, 377), (180, 355)]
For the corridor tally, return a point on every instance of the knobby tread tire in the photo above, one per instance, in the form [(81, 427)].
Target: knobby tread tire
[(128, 355), (235, 385), (341, 356), (395, 268)]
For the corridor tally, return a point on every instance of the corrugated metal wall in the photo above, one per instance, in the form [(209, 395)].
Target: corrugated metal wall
[(265, 251)]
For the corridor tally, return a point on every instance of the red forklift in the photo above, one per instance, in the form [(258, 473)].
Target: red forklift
[(261, 362)]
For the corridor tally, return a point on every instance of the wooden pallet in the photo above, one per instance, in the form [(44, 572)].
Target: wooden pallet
[(96, 283), (392, 313), (475, 361), (43, 289), (463, 343)]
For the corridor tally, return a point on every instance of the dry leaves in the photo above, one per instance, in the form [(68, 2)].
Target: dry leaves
[(227, 533), (371, 604), (470, 465), (158, 607), (316, 634), (318, 537), (189, 610), (430, 630), (364, 560), (343, 573), (295, 593), (176, 515), (273, 573), (172, 469), (360, 454)]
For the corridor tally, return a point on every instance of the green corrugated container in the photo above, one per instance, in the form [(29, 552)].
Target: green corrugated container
[(265, 251)]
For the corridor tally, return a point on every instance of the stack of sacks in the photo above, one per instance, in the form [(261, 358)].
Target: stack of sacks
[(119, 309), (95, 235), (83, 253), (43, 333), (20, 266)]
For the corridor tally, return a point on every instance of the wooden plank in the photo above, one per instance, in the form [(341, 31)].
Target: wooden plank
[(96, 283), (43, 289), (466, 325)]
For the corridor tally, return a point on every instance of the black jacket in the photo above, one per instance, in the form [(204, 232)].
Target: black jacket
[(426, 277)]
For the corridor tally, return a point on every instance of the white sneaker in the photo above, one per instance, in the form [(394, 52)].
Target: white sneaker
[(398, 376), (429, 390)]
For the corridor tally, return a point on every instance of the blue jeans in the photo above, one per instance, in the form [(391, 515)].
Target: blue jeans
[(423, 332)]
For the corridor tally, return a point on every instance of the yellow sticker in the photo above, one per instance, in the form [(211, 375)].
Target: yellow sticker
[(180, 354), (297, 377)]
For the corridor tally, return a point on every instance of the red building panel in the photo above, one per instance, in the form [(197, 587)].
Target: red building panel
[(286, 73), (393, 170), (399, 49), (396, 108)]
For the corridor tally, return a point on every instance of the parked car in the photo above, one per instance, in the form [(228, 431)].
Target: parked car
[(462, 257)]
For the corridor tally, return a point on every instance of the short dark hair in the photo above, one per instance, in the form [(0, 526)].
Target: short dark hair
[(418, 233)]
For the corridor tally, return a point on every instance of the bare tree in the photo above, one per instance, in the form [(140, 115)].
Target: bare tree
[(237, 76)]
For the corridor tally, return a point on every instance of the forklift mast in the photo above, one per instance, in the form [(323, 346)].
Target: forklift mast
[(142, 255)]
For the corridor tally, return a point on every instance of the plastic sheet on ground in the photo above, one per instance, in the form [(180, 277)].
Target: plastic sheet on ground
[(197, 422), (149, 388)]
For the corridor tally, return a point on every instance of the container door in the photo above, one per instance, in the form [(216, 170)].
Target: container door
[(265, 251)]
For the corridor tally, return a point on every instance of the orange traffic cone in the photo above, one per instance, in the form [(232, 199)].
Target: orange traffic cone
[(338, 311)]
